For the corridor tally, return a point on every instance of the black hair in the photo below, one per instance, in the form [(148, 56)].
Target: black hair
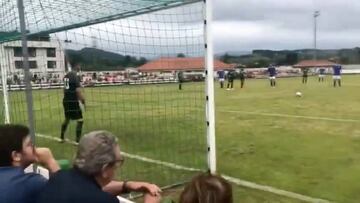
[(11, 139)]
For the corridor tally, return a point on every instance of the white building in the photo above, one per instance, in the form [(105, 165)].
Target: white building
[(46, 58)]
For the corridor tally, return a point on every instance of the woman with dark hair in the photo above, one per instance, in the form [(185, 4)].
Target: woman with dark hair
[(207, 188)]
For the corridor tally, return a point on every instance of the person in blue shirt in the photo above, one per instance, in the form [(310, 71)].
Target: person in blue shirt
[(272, 75), (221, 77), (321, 74), (17, 153), (91, 179), (337, 75)]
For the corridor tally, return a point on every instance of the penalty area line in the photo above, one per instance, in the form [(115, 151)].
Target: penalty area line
[(290, 116), (133, 156)]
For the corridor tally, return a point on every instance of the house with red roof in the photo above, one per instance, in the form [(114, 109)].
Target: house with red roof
[(186, 64), (315, 64)]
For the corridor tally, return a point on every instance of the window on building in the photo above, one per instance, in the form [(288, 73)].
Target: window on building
[(18, 52), (32, 64), (51, 64), (51, 52), (20, 64), (32, 52)]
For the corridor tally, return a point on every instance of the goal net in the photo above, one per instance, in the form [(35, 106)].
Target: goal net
[(133, 56)]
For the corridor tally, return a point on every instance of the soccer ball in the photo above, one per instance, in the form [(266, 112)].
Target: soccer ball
[(298, 94)]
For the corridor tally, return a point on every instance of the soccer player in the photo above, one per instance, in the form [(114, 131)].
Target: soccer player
[(72, 96), (180, 76), (230, 77), (321, 74), (337, 75), (305, 75), (242, 77), (221, 77), (272, 75)]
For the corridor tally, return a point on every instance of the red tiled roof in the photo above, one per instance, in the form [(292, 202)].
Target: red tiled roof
[(185, 64), (314, 63)]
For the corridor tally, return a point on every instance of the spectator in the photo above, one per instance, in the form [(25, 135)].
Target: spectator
[(207, 188), (16, 154), (96, 161)]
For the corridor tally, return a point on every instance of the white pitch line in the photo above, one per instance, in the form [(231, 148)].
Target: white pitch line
[(291, 116), (273, 190), (133, 156), (236, 181), (54, 138)]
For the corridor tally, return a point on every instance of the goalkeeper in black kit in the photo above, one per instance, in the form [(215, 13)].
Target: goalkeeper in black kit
[(72, 96)]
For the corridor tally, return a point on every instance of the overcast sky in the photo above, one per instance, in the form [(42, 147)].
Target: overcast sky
[(244, 25)]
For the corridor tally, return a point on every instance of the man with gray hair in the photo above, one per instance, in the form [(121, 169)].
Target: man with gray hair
[(90, 180)]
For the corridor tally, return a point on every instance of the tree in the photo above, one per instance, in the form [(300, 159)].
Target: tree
[(127, 61), (180, 55), (291, 58), (226, 58), (344, 60), (142, 61)]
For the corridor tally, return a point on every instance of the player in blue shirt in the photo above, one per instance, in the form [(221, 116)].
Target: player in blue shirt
[(272, 75), (221, 77), (321, 74), (337, 75)]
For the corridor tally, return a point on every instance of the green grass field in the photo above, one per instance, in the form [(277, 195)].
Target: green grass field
[(153, 121), (307, 145)]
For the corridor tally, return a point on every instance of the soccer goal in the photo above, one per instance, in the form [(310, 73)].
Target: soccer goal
[(143, 69)]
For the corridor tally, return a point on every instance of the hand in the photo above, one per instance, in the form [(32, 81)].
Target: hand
[(83, 102), (82, 106), (152, 189), (144, 187), (43, 156)]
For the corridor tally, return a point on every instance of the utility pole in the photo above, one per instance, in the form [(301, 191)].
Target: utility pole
[(316, 14)]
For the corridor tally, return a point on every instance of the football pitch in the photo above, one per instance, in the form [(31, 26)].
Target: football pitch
[(308, 145)]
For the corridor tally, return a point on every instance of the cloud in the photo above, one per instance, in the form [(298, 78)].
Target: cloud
[(284, 24)]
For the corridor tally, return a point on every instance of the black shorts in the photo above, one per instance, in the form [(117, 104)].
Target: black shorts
[(72, 110)]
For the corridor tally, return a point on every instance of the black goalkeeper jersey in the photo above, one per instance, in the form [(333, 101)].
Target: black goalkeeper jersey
[(71, 82)]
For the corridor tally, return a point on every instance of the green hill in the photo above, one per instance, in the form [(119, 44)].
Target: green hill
[(261, 58), (93, 59)]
